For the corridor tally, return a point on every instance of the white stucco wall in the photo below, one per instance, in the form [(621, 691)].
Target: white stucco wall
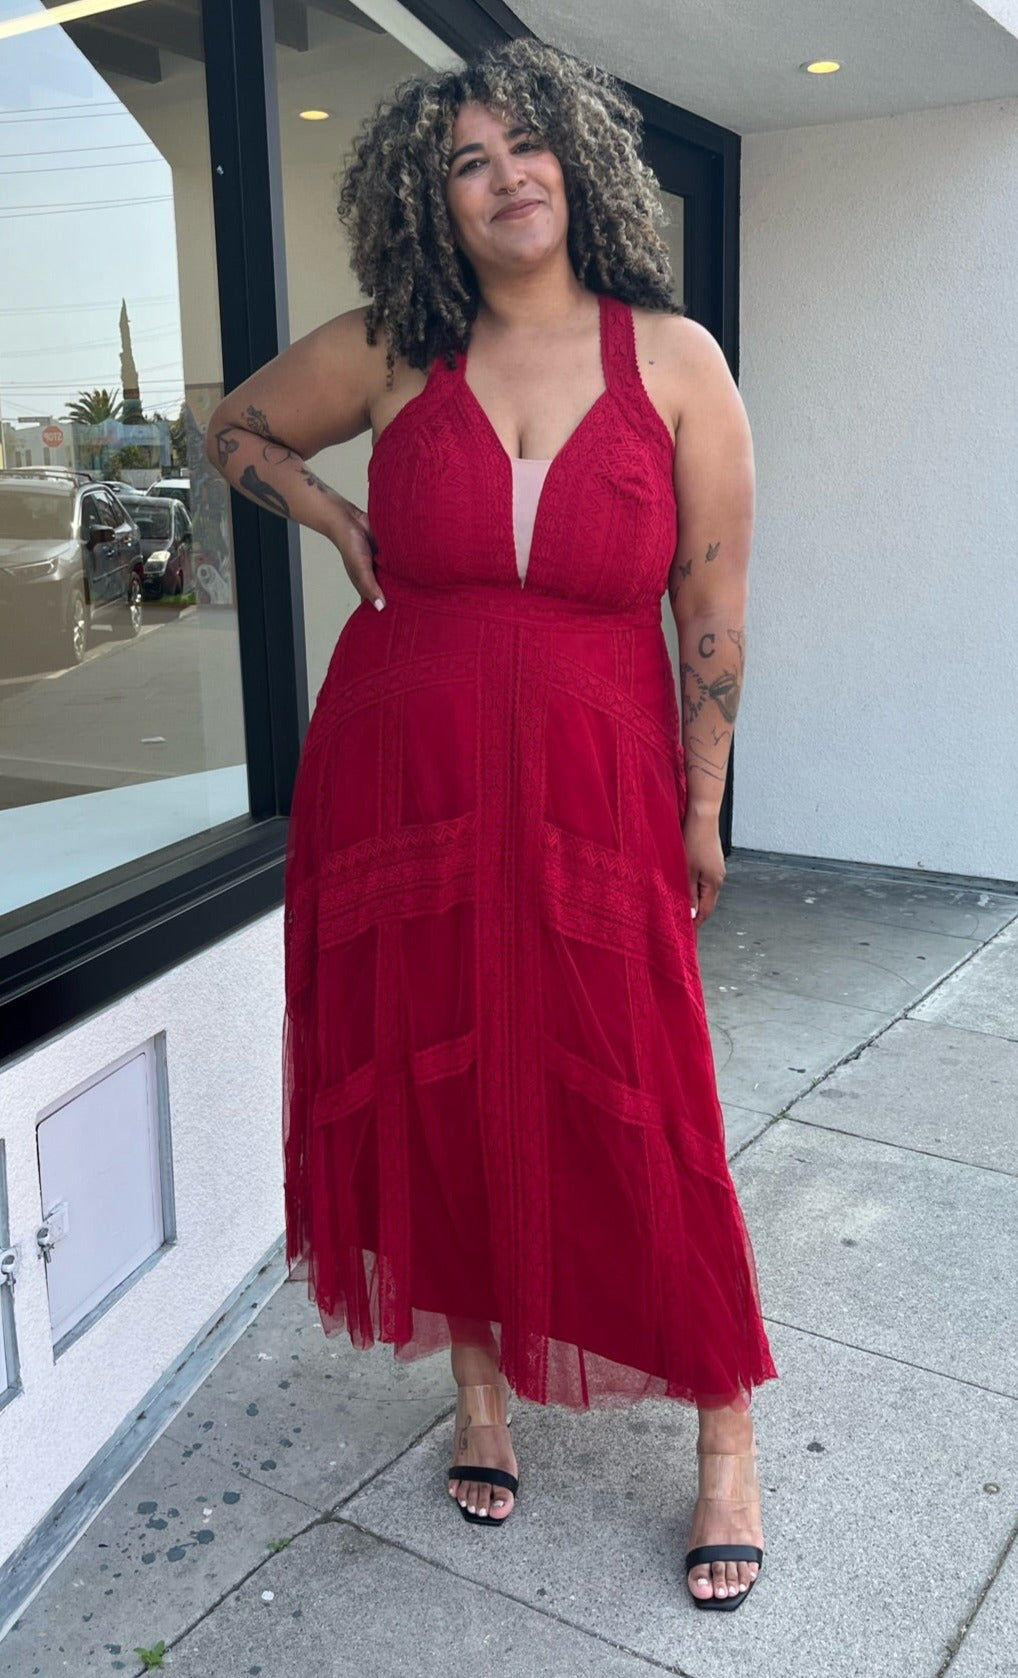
[(880, 373), (222, 1013)]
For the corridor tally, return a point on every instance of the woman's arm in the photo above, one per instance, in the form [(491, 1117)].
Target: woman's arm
[(715, 489), (317, 392)]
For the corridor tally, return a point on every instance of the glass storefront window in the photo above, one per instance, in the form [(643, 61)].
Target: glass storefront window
[(121, 725)]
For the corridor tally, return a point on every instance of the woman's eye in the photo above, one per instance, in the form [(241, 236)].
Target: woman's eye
[(521, 145)]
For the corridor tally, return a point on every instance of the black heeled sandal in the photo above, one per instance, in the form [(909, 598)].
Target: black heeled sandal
[(486, 1406), (728, 1485)]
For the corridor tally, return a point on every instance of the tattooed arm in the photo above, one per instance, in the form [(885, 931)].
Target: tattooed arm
[(708, 585), (318, 391)]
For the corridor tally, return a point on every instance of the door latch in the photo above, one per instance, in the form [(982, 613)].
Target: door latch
[(55, 1228)]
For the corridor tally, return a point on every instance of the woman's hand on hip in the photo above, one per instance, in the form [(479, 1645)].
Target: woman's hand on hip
[(357, 547)]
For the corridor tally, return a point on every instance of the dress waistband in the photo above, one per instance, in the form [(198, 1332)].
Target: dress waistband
[(521, 604)]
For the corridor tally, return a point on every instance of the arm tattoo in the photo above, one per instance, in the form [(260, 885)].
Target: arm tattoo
[(725, 690), (694, 693), (277, 454), (267, 494), (706, 736), (256, 421), (273, 452), (696, 757), (226, 444), (683, 571)]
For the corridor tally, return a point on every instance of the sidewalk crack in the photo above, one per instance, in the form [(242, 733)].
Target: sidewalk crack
[(956, 1641)]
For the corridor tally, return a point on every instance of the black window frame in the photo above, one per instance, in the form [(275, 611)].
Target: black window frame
[(74, 953)]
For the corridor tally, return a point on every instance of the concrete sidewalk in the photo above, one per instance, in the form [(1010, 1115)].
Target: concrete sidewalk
[(293, 1518)]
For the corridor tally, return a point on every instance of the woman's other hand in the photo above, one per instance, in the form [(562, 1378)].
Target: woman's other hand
[(705, 860)]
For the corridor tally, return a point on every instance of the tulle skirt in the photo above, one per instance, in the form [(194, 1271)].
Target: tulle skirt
[(500, 1116)]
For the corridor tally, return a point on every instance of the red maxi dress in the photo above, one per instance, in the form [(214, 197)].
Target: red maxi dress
[(500, 1108)]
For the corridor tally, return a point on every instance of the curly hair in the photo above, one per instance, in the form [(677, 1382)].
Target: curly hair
[(422, 289)]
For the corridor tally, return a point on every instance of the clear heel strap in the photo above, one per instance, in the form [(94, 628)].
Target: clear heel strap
[(728, 1477)]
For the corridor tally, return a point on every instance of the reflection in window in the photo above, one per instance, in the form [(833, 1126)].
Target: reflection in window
[(121, 729), (328, 81)]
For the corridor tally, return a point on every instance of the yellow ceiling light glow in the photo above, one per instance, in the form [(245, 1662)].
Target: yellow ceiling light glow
[(821, 66), (314, 116), (72, 12)]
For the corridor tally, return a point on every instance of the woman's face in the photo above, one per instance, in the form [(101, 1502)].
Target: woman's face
[(505, 192)]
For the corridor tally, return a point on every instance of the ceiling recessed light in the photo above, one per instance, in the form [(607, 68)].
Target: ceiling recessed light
[(821, 66), (314, 116)]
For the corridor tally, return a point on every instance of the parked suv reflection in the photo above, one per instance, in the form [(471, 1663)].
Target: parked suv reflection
[(70, 557)]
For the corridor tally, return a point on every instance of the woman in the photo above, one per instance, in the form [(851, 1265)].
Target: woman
[(502, 1130)]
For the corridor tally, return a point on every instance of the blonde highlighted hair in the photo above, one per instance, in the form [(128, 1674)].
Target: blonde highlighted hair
[(422, 289)]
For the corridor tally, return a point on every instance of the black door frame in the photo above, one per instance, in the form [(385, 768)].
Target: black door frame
[(72, 955)]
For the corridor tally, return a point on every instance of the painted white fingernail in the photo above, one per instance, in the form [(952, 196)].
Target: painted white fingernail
[(379, 604)]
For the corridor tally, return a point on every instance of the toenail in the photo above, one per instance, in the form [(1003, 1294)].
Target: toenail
[(463, 1502), (473, 1511), (482, 1511)]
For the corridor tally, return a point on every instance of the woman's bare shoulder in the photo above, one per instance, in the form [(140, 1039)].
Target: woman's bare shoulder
[(678, 339), (346, 337), (677, 358), (384, 393), (318, 391)]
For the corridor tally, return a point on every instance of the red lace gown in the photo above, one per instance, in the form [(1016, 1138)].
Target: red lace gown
[(500, 1108)]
